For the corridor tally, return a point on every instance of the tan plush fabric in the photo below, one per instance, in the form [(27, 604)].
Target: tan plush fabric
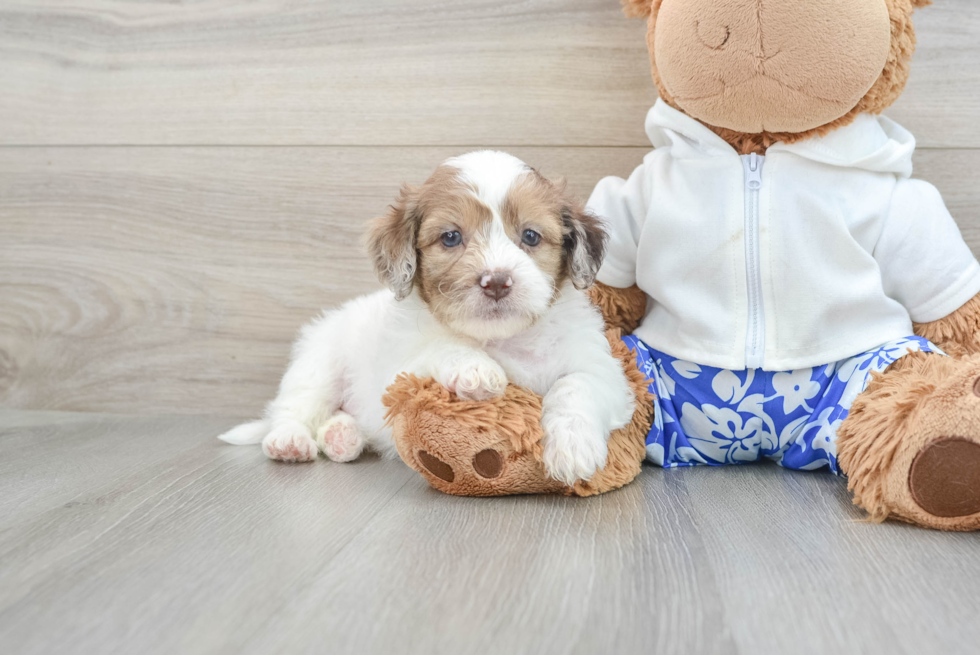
[(637, 8), (774, 66), (959, 333), (731, 118), (454, 444), (429, 419), (623, 309), (921, 399)]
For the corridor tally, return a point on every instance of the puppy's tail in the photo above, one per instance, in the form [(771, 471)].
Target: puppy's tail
[(246, 433)]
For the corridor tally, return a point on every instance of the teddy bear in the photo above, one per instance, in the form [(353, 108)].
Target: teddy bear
[(493, 447), (776, 284)]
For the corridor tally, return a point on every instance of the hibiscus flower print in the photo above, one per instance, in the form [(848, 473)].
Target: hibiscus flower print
[(795, 388), (720, 434), (705, 415)]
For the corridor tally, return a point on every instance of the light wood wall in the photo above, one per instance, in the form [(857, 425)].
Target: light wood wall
[(182, 185)]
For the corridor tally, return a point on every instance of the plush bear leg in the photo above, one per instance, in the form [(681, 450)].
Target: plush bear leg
[(911, 444), (622, 309), (493, 447)]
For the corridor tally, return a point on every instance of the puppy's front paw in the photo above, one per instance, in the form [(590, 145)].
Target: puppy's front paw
[(290, 443), (574, 449), (478, 379)]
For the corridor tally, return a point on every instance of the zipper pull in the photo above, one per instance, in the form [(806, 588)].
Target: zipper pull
[(753, 172)]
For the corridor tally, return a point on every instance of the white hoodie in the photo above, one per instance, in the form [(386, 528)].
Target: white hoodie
[(819, 251)]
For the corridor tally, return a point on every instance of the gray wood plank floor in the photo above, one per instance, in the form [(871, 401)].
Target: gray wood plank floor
[(135, 534)]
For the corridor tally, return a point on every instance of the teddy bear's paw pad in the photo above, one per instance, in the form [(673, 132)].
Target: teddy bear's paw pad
[(945, 478), (340, 439), (436, 466), (488, 463), (288, 445)]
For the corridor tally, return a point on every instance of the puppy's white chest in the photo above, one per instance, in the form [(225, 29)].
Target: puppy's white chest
[(526, 363)]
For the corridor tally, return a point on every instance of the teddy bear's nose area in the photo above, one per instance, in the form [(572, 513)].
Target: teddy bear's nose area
[(436, 466), (713, 34), (748, 65)]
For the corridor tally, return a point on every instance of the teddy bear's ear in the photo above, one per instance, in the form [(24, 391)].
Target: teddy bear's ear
[(921, 3), (642, 8)]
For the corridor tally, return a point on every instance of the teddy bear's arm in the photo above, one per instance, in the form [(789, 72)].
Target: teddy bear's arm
[(623, 309), (957, 334)]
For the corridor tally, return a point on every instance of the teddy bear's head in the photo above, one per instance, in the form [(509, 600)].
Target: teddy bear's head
[(761, 71)]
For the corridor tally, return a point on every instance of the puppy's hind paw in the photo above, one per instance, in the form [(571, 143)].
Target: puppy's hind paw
[(340, 439), (290, 444)]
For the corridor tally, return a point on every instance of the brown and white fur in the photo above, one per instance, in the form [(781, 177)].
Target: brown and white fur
[(504, 304)]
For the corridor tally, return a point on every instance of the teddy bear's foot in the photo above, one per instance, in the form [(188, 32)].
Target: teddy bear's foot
[(494, 471), (468, 448), (945, 478), (493, 448), (911, 445), (487, 464)]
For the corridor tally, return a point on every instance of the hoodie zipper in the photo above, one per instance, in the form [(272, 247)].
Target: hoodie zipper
[(755, 334)]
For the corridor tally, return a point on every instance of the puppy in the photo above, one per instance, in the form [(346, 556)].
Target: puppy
[(485, 264)]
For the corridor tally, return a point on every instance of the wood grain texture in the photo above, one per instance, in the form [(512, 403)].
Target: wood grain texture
[(147, 535), (172, 280), (385, 72), (795, 559)]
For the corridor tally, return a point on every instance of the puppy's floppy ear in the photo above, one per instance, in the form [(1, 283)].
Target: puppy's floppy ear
[(391, 242), (584, 244), (637, 8)]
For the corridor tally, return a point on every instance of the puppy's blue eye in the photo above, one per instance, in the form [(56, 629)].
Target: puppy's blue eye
[(452, 239), (531, 238)]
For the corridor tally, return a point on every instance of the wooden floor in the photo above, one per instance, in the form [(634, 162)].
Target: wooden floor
[(123, 534), (183, 184)]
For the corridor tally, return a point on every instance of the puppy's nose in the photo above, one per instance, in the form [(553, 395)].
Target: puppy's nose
[(497, 284)]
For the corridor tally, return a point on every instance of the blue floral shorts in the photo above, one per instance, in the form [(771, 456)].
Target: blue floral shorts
[(713, 416)]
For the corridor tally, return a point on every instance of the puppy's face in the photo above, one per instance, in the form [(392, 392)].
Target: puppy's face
[(487, 243)]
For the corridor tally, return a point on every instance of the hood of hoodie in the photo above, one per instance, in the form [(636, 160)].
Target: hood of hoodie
[(871, 143)]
